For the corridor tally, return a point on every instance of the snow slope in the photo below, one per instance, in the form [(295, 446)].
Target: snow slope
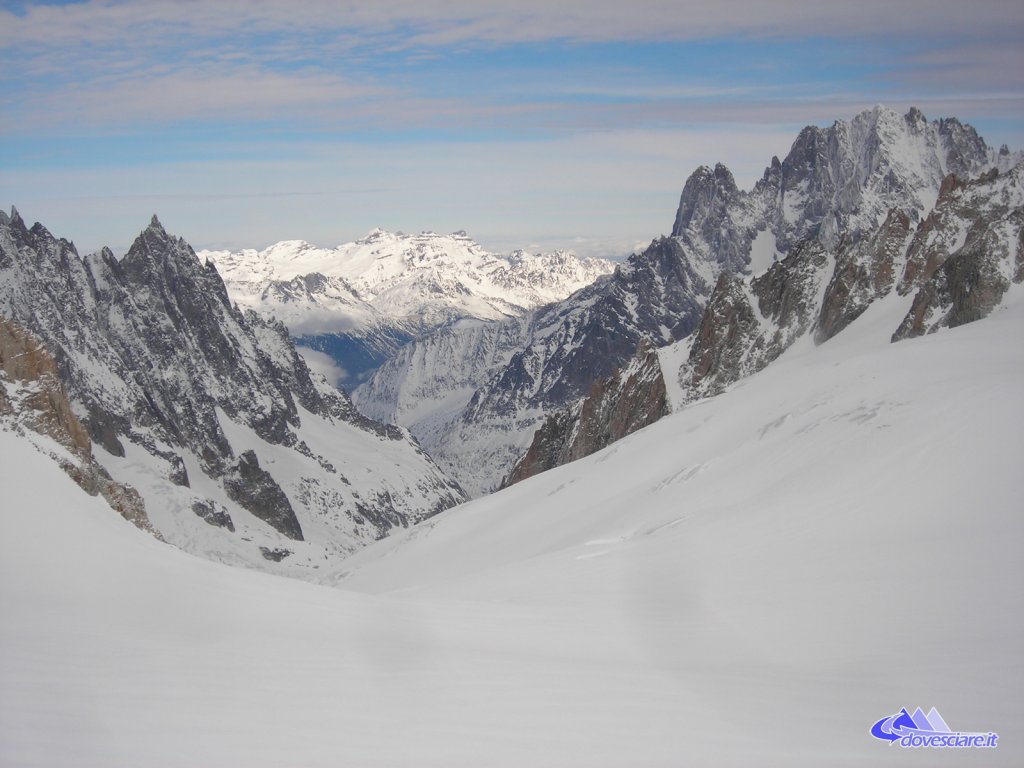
[(753, 580)]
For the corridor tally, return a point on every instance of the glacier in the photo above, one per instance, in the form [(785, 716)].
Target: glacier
[(737, 584)]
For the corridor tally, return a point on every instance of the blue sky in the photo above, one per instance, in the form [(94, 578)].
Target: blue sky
[(531, 124)]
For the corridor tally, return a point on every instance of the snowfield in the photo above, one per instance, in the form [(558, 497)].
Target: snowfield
[(752, 581)]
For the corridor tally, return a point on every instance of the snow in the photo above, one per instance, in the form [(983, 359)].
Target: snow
[(671, 358), (763, 252), (392, 276), (323, 364), (754, 580)]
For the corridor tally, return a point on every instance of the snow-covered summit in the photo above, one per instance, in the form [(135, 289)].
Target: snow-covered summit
[(360, 302), (836, 181), (427, 277)]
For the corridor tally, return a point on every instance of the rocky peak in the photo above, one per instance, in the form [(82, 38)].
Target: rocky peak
[(705, 193), (807, 153), (965, 150), (154, 357), (15, 219), (916, 121), (771, 180)]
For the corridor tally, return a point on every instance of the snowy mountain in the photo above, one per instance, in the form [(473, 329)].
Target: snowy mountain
[(360, 302), (954, 267), (837, 187), (730, 586), (239, 453)]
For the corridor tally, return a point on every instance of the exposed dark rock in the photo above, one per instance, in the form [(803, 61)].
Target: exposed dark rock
[(208, 511), (709, 207), (255, 489), (178, 474), (22, 358), (38, 402), (618, 406), (865, 271), (965, 288), (727, 332), (277, 554), (747, 326), (549, 448), (964, 256)]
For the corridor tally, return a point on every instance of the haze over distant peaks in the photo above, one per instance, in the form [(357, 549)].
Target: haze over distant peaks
[(361, 301)]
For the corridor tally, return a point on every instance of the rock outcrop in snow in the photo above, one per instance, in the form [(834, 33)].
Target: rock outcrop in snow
[(617, 406), (966, 254), (33, 403)]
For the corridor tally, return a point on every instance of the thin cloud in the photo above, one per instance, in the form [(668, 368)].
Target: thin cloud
[(328, 66), (208, 92), (426, 23), (521, 122)]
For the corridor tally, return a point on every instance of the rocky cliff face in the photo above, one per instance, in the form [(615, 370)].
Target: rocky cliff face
[(865, 270), (966, 254), (44, 405), (33, 403), (179, 387), (749, 322), (616, 407), (954, 267)]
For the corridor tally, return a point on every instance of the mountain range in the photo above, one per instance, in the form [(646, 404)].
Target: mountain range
[(741, 560), (238, 451), (361, 301), (724, 462), (181, 395), (840, 192)]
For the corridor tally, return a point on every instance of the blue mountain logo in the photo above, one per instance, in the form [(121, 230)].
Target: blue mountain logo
[(921, 730)]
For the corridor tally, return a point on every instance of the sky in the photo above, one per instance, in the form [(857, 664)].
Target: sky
[(535, 124)]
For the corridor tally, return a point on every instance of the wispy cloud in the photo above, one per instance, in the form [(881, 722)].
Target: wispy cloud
[(387, 65), (531, 121), (431, 23), (236, 93)]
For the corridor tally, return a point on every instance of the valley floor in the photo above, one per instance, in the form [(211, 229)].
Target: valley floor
[(754, 580)]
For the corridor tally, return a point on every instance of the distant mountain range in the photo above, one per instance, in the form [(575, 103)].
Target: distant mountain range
[(361, 301)]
